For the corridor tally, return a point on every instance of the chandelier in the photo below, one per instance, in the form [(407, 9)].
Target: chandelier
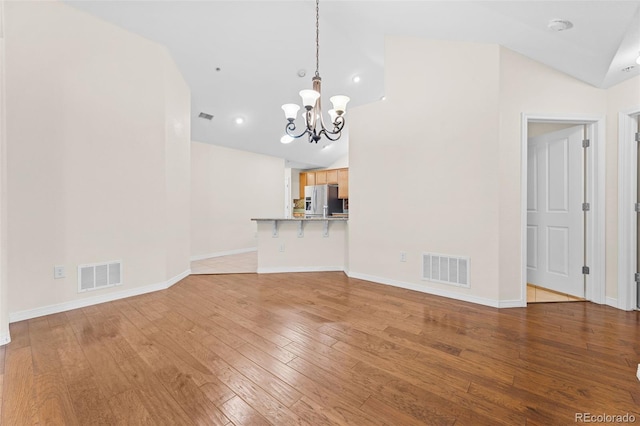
[(315, 126)]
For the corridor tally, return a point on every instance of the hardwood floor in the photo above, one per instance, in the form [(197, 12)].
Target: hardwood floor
[(241, 263), (318, 349), (537, 294)]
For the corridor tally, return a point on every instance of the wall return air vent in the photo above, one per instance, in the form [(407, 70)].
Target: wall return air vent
[(447, 269), (95, 276)]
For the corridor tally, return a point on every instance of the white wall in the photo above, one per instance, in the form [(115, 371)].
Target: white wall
[(340, 163), (428, 180), (450, 162), (620, 98), (97, 168), (537, 129), (289, 252), (526, 86), (177, 171), (295, 184), (228, 188)]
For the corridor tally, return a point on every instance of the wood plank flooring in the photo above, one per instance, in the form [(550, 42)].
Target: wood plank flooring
[(242, 263), (537, 294), (317, 349)]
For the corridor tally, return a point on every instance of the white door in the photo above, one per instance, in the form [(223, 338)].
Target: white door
[(555, 239)]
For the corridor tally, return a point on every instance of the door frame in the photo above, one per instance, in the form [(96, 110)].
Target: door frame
[(627, 187), (595, 240), (5, 337)]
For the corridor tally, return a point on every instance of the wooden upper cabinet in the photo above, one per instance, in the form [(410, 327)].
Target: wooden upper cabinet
[(306, 179), (343, 183), (303, 183), (311, 178), (332, 176), (321, 177)]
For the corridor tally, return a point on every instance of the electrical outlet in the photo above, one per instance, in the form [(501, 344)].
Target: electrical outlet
[(58, 272), (403, 256), (281, 247)]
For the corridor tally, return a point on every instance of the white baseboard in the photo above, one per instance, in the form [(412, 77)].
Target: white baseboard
[(285, 269), (518, 303), (222, 253), (437, 292), (95, 300), (5, 338), (175, 280), (610, 301)]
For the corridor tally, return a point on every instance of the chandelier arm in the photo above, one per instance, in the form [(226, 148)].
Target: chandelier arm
[(291, 127), (329, 135), (337, 127), (310, 119), (323, 127)]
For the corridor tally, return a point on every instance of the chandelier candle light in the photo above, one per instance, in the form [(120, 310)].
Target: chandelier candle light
[(311, 100)]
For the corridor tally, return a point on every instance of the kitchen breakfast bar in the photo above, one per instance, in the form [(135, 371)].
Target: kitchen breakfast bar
[(302, 244)]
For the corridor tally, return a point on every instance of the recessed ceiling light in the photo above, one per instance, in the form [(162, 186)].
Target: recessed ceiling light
[(356, 79), (286, 139), (560, 24), (326, 147), (382, 98), (239, 120), (302, 72)]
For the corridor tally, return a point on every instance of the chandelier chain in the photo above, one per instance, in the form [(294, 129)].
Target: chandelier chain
[(317, 38)]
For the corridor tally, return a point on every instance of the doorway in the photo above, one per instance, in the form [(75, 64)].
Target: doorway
[(562, 206), (555, 189), (628, 215)]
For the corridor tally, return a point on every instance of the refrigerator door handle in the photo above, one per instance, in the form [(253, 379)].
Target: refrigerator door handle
[(315, 200)]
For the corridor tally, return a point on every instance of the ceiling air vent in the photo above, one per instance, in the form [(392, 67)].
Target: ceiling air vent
[(205, 116)]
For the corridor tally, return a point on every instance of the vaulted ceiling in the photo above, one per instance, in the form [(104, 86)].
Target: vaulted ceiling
[(242, 58)]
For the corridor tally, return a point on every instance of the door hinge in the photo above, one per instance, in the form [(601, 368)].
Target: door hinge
[(586, 207), (637, 207), (638, 137), (585, 270), (637, 277), (585, 143)]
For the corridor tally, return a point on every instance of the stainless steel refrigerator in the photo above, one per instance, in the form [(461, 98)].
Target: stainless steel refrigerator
[(321, 200)]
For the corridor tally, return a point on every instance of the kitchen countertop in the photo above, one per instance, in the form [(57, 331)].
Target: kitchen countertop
[(302, 219)]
